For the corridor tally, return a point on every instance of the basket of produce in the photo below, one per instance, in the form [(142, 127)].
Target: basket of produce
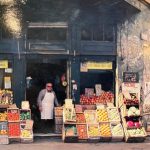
[(14, 130), (82, 131), (93, 132), (102, 115), (70, 133), (3, 116), (69, 114), (90, 116), (132, 122), (6, 97), (117, 132), (135, 135), (113, 114), (58, 111), (13, 114), (105, 132), (3, 128), (80, 118), (25, 114)]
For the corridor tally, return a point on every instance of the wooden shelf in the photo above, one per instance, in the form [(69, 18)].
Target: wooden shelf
[(14, 137), (4, 105)]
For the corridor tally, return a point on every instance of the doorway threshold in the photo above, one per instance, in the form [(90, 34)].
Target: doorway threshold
[(47, 135)]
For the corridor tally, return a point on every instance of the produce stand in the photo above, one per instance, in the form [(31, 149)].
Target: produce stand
[(131, 114)]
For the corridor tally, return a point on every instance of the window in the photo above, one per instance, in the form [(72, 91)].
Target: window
[(47, 34), (102, 32)]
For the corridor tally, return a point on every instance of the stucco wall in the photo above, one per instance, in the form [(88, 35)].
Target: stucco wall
[(133, 46)]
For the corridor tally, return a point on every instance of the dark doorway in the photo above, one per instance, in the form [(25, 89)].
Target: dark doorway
[(38, 74)]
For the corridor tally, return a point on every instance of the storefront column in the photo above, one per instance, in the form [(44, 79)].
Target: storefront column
[(19, 80), (75, 76)]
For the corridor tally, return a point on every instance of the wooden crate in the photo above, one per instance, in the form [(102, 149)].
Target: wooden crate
[(130, 139), (3, 128), (117, 138), (25, 114), (58, 128), (58, 111), (58, 120), (13, 114), (4, 139)]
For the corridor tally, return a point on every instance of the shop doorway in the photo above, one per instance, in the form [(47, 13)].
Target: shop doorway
[(37, 75)]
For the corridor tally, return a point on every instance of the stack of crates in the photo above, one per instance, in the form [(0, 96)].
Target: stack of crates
[(58, 120)]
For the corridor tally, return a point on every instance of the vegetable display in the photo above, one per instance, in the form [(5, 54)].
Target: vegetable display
[(14, 129), (80, 118), (3, 116), (82, 131), (24, 115), (93, 130), (113, 114)]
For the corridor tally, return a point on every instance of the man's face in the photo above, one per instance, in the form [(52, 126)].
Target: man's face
[(49, 86)]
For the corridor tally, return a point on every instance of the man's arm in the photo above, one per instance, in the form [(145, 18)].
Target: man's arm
[(39, 99)]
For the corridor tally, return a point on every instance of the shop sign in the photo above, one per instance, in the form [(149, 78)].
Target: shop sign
[(131, 77), (131, 88), (99, 65), (3, 64)]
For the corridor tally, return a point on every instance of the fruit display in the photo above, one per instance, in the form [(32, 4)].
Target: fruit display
[(80, 118), (82, 131), (133, 111), (90, 116), (93, 130), (69, 114), (14, 129), (103, 98), (3, 116), (25, 114), (113, 114), (26, 133), (117, 130), (3, 128), (105, 130), (70, 130), (102, 115), (136, 132), (13, 115), (6, 97)]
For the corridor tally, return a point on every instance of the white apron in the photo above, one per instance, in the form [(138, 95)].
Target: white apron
[(47, 106)]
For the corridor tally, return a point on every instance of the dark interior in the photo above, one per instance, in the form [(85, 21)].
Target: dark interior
[(41, 73)]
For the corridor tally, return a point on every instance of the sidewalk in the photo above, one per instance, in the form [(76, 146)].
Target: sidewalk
[(57, 144)]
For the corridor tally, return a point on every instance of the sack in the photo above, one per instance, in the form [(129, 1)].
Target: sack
[(25, 105)]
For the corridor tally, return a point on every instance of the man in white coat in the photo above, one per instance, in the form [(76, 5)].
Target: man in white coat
[(46, 101)]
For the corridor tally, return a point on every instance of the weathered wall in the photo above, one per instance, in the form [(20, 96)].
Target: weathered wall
[(132, 55)]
